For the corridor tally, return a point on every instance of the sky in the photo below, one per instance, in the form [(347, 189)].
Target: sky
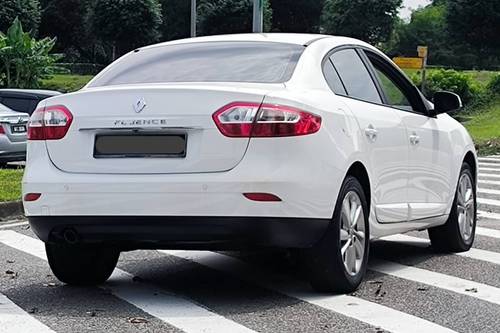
[(411, 4)]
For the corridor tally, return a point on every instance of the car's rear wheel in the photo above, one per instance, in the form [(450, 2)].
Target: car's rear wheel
[(457, 235), (338, 262), (81, 265)]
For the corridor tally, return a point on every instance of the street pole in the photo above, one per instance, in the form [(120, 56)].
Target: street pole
[(258, 16), (193, 18)]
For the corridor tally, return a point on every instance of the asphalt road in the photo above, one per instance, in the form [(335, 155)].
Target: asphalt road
[(408, 287)]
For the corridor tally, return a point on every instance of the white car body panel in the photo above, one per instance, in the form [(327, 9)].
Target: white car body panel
[(411, 187)]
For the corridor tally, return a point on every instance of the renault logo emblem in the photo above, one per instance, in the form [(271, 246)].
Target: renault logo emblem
[(140, 105)]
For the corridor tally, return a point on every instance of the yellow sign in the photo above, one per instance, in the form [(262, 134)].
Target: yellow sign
[(409, 63), (422, 51)]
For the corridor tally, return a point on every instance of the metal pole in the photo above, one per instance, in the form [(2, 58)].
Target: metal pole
[(193, 18), (258, 16)]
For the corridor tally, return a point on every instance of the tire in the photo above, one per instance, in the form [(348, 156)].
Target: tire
[(81, 265), (451, 237), (325, 261)]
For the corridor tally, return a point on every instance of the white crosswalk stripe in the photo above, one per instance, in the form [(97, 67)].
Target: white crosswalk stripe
[(488, 169), (477, 254), (489, 159), (14, 319), (481, 191), (457, 285), (488, 215), (483, 182), (488, 232), (174, 310), (354, 307), (11, 225), (489, 202), (488, 175)]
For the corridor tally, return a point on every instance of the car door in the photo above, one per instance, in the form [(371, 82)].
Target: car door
[(383, 134), (430, 152)]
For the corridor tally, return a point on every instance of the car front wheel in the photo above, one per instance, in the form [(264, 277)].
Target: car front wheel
[(457, 235), (81, 265), (338, 262)]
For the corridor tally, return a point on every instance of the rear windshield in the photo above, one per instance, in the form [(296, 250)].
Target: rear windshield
[(261, 62)]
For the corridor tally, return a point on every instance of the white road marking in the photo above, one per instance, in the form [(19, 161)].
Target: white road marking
[(488, 232), (483, 169), (473, 253), (354, 307), (488, 182), (172, 309), (489, 202), (489, 175), (15, 319), (454, 284), (489, 165), (11, 225), (487, 191), (488, 215), (493, 159)]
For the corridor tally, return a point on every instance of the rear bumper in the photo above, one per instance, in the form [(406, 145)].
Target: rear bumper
[(12, 157), (173, 232), (12, 151)]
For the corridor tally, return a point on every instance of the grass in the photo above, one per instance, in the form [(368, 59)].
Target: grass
[(484, 126), (66, 82), (10, 184)]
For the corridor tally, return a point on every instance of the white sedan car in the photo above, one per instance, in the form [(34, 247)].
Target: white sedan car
[(307, 142)]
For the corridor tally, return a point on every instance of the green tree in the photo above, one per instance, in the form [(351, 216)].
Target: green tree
[(302, 16), (28, 12), (176, 19), (477, 23), (125, 24), (229, 16), (24, 61), (368, 20)]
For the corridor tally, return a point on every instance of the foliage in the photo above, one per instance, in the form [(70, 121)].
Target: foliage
[(302, 16), (229, 16), (371, 21), (494, 85), (484, 127), (477, 24), (66, 82), (450, 80), (176, 19), (24, 61), (125, 24), (10, 184), (28, 12)]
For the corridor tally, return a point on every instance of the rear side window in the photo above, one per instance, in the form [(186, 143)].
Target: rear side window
[(357, 81), (261, 62), (333, 79)]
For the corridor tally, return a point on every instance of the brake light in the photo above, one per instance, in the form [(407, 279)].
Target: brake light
[(49, 123), (2, 131), (242, 119)]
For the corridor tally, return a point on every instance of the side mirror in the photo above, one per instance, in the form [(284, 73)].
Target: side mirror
[(445, 101)]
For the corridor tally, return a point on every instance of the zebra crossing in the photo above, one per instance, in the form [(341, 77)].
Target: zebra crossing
[(408, 287)]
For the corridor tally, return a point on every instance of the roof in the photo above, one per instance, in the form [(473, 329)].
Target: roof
[(290, 38)]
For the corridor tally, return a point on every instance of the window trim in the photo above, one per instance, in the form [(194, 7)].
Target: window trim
[(421, 108)]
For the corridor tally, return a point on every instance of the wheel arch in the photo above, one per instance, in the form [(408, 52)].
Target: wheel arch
[(358, 170), (471, 160)]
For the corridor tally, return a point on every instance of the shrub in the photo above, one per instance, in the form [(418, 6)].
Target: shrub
[(450, 80), (494, 85), (24, 61)]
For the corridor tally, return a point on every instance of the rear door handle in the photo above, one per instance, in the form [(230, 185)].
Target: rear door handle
[(371, 133), (414, 139)]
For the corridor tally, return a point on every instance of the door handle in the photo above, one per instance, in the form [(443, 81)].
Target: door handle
[(371, 133), (414, 139)]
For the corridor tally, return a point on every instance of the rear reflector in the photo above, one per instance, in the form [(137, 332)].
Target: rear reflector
[(244, 119), (261, 197), (32, 196), (50, 123)]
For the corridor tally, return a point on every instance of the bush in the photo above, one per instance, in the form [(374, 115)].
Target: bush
[(451, 80), (24, 61), (494, 85)]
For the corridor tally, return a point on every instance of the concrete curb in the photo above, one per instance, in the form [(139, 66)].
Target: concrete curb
[(11, 209)]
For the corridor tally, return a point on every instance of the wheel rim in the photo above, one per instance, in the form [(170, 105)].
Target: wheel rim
[(352, 233), (465, 207)]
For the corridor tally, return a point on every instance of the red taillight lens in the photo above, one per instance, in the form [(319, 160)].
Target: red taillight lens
[(32, 196), (243, 119), (50, 123), (2, 131), (262, 197)]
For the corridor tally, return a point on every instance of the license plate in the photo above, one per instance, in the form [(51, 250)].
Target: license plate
[(18, 129), (140, 145)]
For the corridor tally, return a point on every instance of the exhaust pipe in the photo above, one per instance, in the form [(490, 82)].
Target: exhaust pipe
[(70, 236)]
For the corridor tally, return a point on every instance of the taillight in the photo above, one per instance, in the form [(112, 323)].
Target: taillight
[(49, 123), (2, 131), (241, 119)]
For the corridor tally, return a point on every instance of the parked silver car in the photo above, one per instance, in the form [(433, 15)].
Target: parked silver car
[(12, 135)]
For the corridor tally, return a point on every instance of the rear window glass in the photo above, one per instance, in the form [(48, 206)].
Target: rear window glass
[(261, 62)]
